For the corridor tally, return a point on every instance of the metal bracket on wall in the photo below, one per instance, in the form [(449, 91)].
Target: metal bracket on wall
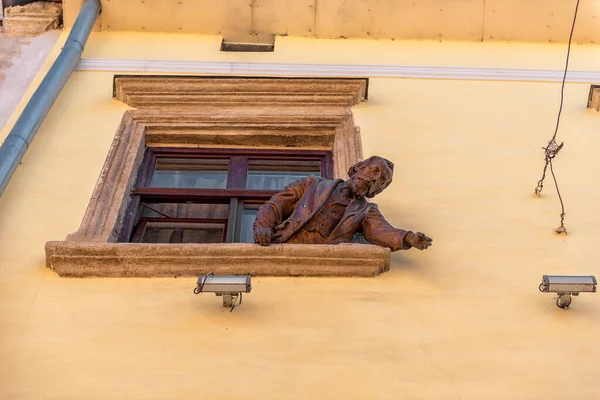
[(594, 98)]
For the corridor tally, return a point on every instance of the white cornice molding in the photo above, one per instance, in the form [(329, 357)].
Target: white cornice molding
[(333, 70)]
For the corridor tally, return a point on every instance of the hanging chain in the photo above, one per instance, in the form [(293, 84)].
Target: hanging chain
[(561, 229), (552, 149)]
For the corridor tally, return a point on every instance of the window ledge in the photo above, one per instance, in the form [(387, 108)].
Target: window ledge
[(97, 259)]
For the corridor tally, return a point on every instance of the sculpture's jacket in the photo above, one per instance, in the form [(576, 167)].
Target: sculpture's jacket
[(289, 210)]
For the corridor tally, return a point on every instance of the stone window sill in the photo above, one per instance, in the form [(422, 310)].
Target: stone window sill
[(97, 259)]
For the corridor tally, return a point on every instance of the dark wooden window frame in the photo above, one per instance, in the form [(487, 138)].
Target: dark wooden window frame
[(235, 195)]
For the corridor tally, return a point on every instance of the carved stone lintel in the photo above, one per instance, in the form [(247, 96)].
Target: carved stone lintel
[(191, 92)]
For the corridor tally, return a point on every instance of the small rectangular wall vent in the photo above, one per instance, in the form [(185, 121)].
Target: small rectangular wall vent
[(248, 42)]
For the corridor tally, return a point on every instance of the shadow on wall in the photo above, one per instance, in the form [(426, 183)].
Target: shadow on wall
[(402, 261)]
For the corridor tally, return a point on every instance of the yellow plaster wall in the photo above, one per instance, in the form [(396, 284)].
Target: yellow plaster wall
[(470, 20), (461, 320)]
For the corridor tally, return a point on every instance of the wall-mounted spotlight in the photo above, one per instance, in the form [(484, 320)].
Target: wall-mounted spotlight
[(565, 286), (230, 287)]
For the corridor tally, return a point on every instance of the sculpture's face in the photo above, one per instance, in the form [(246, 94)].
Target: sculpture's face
[(370, 177)]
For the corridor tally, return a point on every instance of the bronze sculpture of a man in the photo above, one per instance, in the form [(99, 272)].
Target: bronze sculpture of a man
[(316, 210)]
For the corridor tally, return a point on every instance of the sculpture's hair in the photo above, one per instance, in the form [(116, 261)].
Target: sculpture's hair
[(387, 173)]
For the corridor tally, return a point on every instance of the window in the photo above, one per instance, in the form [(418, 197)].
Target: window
[(211, 195), (291, 114)]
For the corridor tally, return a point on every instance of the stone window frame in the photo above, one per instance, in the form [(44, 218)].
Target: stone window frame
[(307, 113)]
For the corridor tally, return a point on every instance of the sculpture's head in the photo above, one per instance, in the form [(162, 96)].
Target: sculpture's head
[(371, 176)]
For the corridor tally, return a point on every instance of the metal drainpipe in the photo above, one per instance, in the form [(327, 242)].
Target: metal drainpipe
[(20, 137)]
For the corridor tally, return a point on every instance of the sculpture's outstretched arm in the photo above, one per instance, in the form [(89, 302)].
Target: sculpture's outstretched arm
[(378, 231), (278, 209)]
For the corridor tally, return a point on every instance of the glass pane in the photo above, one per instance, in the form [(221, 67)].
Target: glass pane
[(184, 210), (183, 232), (276, 174), (190, 173), (247, 222)]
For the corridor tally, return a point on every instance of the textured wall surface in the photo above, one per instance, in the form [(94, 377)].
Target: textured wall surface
[(461, 320), (471, 20)]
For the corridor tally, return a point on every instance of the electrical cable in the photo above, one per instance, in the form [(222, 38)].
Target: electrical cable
[(198, 289), (239, 295), (552, 149)]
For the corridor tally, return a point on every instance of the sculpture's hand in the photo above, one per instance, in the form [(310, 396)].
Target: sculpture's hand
[(419, 240), (264, 236)]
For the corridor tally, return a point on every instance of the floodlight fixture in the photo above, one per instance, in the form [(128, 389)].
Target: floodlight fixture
[(230, 287), (565, 286)]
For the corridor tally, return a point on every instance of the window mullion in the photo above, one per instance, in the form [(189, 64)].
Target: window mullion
[(238, 171)]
